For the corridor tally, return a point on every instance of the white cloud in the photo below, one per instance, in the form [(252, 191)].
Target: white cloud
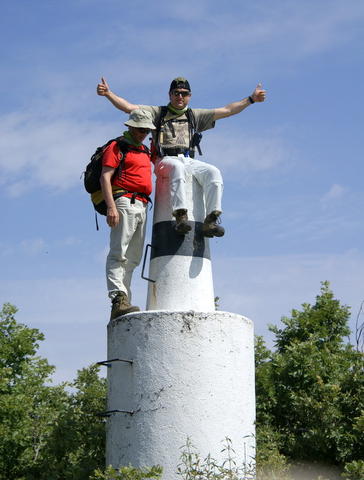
[(69, 241), (335, 193), (51, 150), (48, 152), (236, 153), (33, 246), (210, 31), (26, 247)]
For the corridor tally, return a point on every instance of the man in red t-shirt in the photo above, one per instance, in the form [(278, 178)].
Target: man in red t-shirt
[(126, 191)]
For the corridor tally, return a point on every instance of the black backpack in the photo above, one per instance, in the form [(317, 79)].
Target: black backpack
[(93, 170), (91, 179)]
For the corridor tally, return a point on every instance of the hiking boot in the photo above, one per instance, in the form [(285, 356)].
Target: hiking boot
[(181, 226), (210, 227), (121, 306)]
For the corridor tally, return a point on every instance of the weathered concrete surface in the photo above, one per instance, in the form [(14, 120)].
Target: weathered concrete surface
[(182, 283), (192, 376)]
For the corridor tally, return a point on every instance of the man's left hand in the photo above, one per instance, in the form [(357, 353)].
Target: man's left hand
[(259, 93)]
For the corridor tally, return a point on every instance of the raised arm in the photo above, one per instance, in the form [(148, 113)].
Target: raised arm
[(236, 107), (103, 90)]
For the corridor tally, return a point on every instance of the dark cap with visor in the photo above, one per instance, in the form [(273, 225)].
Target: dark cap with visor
[(180, 82)]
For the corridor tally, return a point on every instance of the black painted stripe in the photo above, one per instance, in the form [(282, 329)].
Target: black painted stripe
[(166, 241)]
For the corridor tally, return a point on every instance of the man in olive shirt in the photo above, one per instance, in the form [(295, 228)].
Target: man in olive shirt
[(175, 149)]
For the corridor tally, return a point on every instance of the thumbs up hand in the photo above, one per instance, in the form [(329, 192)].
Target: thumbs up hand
[(259, 93), (103, 87)]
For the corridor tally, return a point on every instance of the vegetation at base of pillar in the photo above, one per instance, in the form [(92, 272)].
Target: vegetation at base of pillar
[(128, 473), (46, 432), (193, 467), (310, 389)]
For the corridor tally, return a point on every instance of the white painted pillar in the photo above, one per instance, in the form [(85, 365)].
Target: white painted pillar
[(189, 370), (180, 264), (192, 375)]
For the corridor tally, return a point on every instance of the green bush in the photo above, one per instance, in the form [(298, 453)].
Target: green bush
[(270, 463), (127, 473), (354, 470), (310, 390)]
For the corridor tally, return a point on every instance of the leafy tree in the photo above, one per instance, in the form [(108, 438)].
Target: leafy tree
[(310, 391), (27, 406), (271, 463), (77, 443), (46, 432)]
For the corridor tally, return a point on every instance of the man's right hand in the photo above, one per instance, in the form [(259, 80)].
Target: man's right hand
[(112, 216), (103, 88)]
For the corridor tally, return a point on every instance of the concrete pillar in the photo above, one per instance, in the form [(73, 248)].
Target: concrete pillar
[(180, 264), (187, 370), (192, 375)]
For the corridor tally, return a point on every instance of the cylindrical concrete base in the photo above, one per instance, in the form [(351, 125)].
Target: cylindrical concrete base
[(192, 376)]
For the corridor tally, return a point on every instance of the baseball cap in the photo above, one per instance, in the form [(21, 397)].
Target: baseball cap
[(180, 82)]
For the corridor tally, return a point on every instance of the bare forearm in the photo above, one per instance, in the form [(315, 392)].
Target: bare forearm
[(231, 109), (112, 214), (258, 95), (103, 90), (107, 191), (120, 102)]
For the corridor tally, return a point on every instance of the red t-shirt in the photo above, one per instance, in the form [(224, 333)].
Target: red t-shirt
[(135, 174)]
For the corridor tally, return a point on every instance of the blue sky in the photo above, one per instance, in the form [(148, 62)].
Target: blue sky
[(293, 166)]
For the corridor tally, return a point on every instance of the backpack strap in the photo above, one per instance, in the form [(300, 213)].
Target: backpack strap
[(191, 120), (158, 126), (124, 148), (191, 126), (194, 136)]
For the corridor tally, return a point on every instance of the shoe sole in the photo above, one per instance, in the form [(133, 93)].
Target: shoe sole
[(213, 234), (124, 312), (182, 230), (131, 310)]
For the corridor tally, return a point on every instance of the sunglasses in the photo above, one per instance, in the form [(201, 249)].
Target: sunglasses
[(177, 93), (143, 130)]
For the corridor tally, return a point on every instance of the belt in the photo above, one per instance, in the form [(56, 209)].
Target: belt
[(121, 192), (173, 152)]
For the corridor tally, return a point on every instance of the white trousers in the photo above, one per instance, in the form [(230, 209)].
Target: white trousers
[(208, 176), (126, 245)]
